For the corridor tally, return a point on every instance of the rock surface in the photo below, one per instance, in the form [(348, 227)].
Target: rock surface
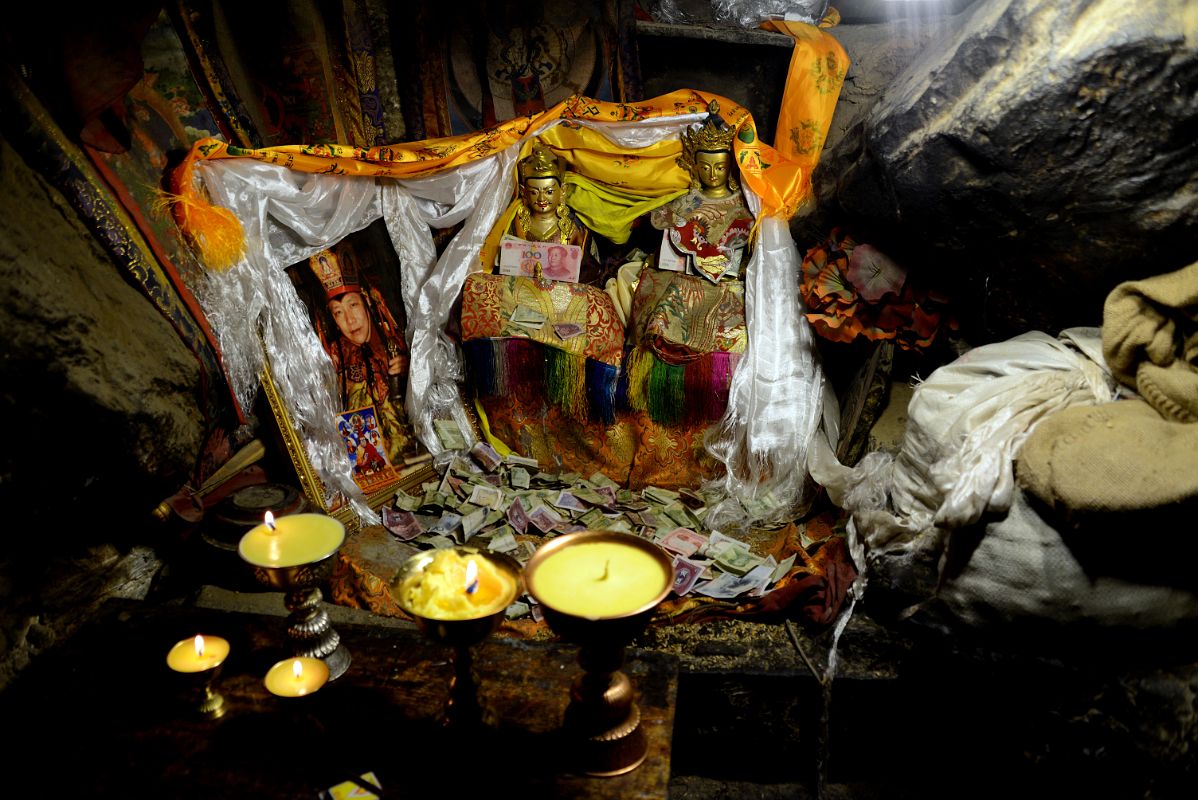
[(101, 417), (1034, 153)]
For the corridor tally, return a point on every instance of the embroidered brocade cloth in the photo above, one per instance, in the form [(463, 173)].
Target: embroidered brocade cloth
[(680, 317), (705, 228), (489, 303), (688, 335)]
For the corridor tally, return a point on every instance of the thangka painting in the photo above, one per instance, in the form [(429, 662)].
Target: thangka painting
[(501, 61)]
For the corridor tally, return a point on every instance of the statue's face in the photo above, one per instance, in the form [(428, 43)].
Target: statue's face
[(713, 169), (541, 195)]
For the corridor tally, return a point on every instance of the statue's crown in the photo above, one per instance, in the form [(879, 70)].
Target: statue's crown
[(541, 163), (713, 135)]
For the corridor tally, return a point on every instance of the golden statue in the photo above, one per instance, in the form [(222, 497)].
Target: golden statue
[(708, 227), (543, 215)]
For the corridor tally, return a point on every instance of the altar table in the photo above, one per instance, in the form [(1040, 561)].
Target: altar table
[(101, 716)]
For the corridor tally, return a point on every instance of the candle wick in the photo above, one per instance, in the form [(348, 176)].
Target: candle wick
[(473, 587), (606, 567)]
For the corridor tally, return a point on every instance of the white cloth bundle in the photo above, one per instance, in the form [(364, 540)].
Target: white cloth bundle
[(966, 422)]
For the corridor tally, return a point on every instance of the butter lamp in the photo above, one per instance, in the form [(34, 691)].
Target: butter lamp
[(598, 589), (296, 554)]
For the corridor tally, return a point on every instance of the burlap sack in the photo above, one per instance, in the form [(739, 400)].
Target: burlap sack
[(1150, 340), (1113, 458)]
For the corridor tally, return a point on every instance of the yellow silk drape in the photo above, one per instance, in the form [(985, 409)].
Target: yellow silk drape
[(780, 176)]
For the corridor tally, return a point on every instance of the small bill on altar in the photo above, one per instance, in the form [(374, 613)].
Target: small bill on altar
[(528, 318), (557, 262)]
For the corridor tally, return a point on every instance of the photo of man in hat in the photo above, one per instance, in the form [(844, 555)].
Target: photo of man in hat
[(365, 343)]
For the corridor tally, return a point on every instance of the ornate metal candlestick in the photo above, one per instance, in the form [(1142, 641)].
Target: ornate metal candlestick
[(295, 554), (198, 663), (459, 605), (598, 589)]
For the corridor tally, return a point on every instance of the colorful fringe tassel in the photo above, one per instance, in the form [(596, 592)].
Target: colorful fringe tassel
[(671, 393), (582, 387)]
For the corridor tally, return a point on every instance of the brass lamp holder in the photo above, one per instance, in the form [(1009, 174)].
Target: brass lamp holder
[(309, 632), (602, 722)]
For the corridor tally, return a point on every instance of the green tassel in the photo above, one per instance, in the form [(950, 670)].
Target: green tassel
[(667, 392), (565, 381)]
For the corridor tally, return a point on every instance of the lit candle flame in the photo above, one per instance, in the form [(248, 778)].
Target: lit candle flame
[(199, 645), (471, 577), (297, 668), (269, 519)]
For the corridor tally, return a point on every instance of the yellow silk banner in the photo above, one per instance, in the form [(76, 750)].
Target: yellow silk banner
[(781, 177)]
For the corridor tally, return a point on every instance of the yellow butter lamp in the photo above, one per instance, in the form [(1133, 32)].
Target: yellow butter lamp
[(457, 596), (599, 589), (296, 677), (197, 660), (295, 554)]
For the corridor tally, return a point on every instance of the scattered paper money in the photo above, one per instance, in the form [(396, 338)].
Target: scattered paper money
[(783, 568), (519, 478), (726, 586), (446, 525), (522, 461), (472, 523), (683, 541), (686, 575), (510, 505), (567, 330), (570, 502), (737, 560), (405, 501), (528, 318), (504, 543), (487, 496), (401, 523), (517, 516)]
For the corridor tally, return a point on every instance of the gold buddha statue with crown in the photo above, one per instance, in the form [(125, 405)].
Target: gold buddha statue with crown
[(707, 229), (543, 216)]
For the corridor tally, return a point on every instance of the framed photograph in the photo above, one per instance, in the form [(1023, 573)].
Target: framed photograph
[(352, 292)]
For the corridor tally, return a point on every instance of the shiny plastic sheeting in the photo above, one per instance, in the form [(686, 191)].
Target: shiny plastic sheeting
[(287, 216), (751, 13)]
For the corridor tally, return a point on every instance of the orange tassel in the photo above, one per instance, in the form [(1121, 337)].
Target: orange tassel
[(214, 232)]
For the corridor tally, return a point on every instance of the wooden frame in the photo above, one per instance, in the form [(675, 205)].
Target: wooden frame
[(352, 293), (310, 483)]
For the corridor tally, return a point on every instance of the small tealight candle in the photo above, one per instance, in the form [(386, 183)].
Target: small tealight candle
[(449, 585), (296, 677), (292, 540), (198, 654), (598, 579)]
